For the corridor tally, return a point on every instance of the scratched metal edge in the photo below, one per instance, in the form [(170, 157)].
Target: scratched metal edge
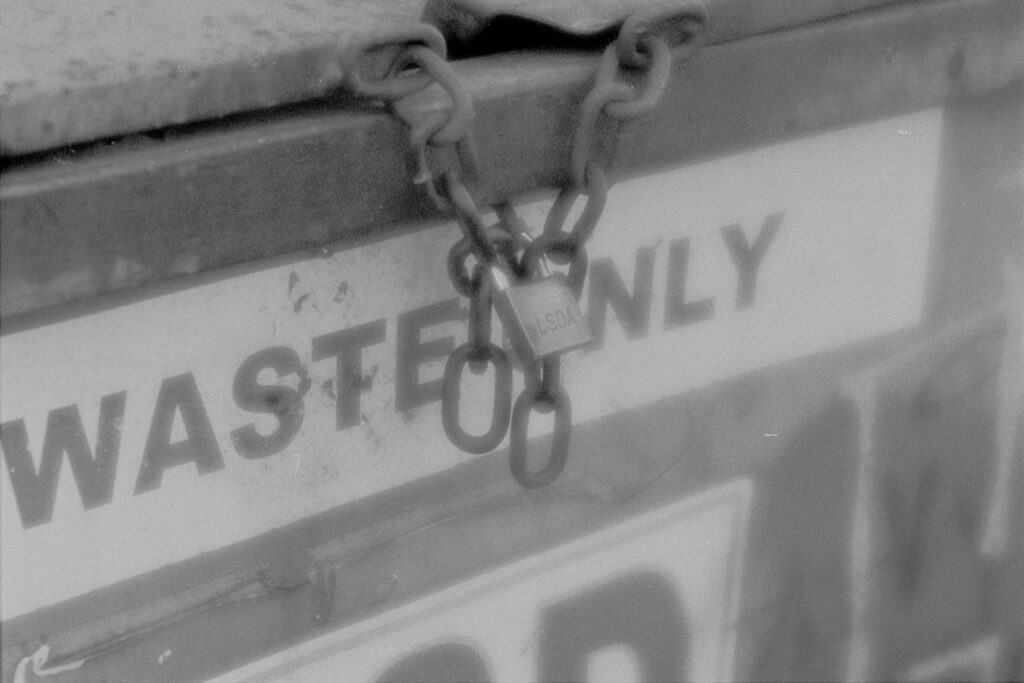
[(334, 547), (156, 93), (86, 225)]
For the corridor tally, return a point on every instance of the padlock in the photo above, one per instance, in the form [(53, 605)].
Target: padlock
[(540, 315)]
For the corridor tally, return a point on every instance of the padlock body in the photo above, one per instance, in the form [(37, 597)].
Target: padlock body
[(542, 317)]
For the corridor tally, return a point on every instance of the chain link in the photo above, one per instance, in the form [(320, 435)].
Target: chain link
[(458, 256), (544, 394), (477, 353), (393, 85), (455, 124), (631, 77), (610, 97)]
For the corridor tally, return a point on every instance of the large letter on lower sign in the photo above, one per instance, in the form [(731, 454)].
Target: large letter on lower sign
[(178, 394), (640, 611)]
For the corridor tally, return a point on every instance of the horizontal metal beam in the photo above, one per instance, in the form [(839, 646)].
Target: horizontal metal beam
[(73, 73), (144, 211)]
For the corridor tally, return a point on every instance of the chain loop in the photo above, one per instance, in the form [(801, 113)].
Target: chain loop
[(519, 438), (477, 353), (468, 215), (392, 86), (596, 186), (451, 398), (426, 178), (458, 273), (578, 271), (682, 27), (583, 142), (431, 64), (479, 335), (543, 380), (653, 85), (559, 247)]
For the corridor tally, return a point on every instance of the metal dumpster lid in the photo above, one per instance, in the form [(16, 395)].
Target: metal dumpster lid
[(75, 72), (78, 72)]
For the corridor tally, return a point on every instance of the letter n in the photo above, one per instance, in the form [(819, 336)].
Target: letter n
[(36, 492), (640, 611), (608, 289), (178, 394)]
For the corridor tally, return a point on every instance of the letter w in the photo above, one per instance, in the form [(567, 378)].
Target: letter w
[(35, 492)]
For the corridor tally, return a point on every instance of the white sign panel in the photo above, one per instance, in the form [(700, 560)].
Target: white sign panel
[(652, 599), (153, 432)]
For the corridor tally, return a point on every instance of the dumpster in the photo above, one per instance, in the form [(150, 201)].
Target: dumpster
[(488, 340)]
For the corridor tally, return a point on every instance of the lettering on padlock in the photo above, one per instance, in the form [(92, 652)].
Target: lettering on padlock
[(556, 320), (542, 317)]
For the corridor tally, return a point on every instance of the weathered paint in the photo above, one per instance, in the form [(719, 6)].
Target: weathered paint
[(283, 393)]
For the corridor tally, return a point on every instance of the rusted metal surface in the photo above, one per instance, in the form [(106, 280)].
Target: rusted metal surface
[(70, 74), (113, 218)]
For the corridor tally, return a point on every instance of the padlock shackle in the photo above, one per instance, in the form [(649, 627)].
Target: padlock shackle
[(458, 270)]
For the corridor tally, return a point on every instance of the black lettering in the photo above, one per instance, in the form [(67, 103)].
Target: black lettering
[(35, 493), (679, 311), (346, 346), (747, 259), (446, 662), (606, 288), (411, 353), (178, 395), (640, 610), (282, 401)]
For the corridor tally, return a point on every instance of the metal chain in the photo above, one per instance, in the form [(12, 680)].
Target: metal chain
[(477, 353), (639, 56), (392, 86), (544, 394), (420, 63)]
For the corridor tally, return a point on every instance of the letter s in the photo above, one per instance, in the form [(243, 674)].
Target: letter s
[(283, 402)]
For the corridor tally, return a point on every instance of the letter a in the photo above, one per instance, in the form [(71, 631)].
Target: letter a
[(178, 394)]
